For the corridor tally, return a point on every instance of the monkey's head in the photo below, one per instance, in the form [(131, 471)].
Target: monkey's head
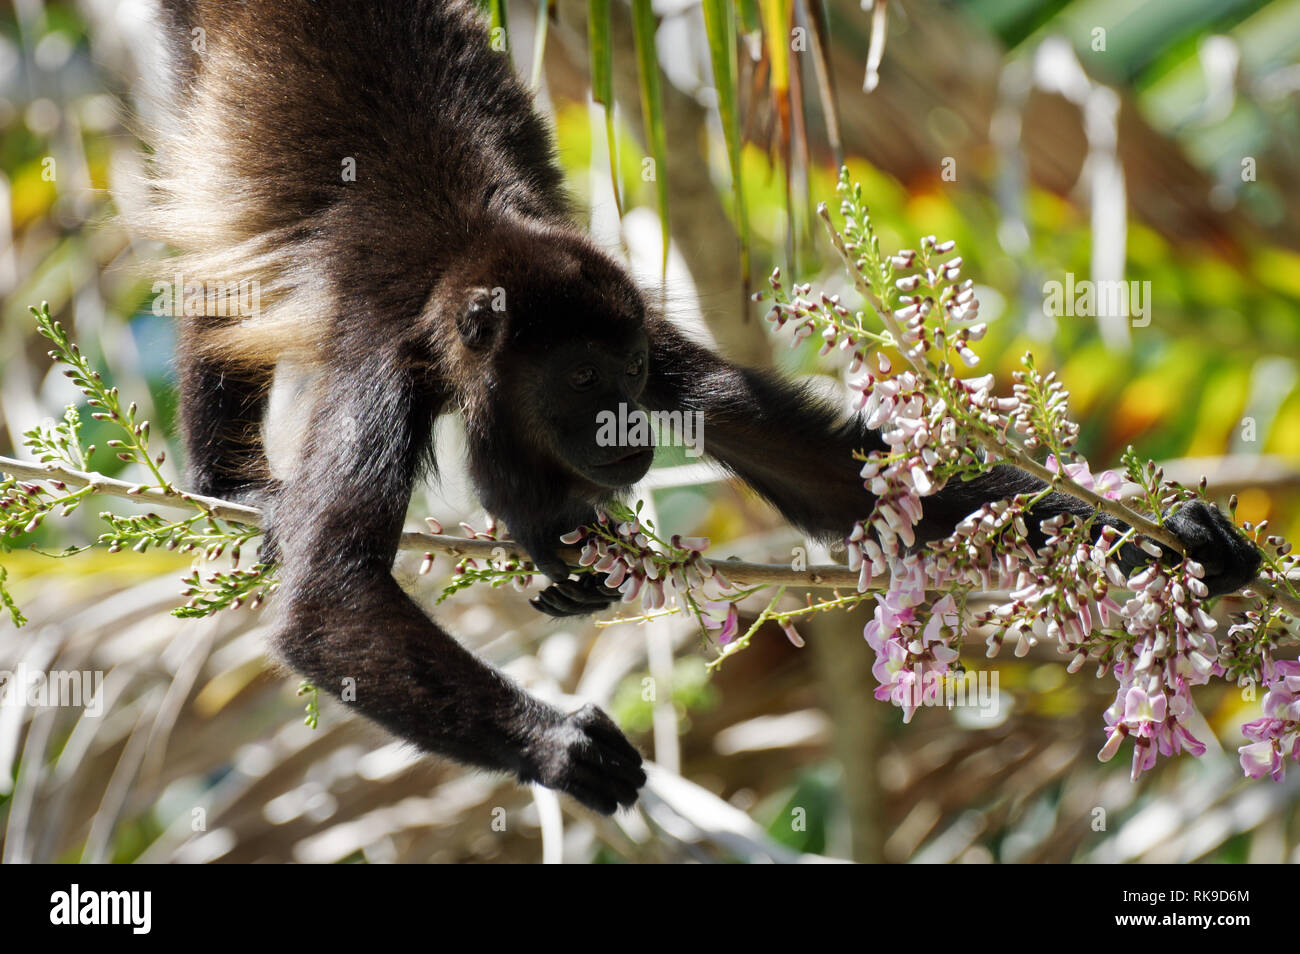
[(550, 338)]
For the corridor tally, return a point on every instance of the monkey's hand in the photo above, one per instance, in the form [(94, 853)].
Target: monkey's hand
[(586, 756), (564, 597), (1211, 539), (580, 597)]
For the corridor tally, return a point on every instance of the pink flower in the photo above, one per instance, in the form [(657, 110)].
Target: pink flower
[(1156, 718), (1277, 735), (1287, 673), (731, 626), (1262, 758), (1142, 710), (912, 652), (1107, 483)]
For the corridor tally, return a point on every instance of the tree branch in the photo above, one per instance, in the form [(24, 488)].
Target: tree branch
[(110, 487), (738, 571)]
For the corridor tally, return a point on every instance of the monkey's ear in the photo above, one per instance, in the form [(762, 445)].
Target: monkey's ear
[(477, 322)]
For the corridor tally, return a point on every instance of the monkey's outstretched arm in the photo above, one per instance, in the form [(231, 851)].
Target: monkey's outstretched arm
[(798, 451), (792, 448), (348, 626)]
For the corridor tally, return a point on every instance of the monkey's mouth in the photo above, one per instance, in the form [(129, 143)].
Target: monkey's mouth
[(624, 470), (635, 454)]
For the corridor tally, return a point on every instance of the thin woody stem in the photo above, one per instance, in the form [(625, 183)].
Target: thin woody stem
[(110, 487), (738, 571), (1061, 482)]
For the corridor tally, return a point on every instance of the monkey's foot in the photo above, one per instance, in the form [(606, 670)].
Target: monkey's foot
[(585, 755), (580, 597), (1230, 560)]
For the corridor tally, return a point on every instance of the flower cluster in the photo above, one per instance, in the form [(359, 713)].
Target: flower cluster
[(1039, 414), (912, 642), (498, 569), (1060, 593), (920, 291), (638, 563), (900, 475), (924, 450), (805, 315), (1170, 648), (1276, 736), (1148, 628)]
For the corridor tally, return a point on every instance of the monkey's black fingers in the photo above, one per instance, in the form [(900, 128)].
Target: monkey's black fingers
[(610, 773), (543, 603), (617, 774), (575, 597), (568, 594), (585, 755), (553, 602), (587, 592), (602, 791), (610, 762), (1211, 539), (593, 720), (593, 798)]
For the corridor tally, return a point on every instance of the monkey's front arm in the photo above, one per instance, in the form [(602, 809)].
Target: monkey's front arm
[(351, 630)]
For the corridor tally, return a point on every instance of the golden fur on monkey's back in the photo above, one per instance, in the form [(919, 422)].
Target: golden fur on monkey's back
[(338, 152)]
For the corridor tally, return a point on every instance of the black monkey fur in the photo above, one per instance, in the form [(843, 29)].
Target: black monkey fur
[(391, 284)]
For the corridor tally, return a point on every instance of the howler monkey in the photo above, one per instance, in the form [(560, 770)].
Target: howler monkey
[(380, 171)]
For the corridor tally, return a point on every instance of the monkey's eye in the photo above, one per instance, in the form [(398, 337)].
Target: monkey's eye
[(583, 378), (635, 367)]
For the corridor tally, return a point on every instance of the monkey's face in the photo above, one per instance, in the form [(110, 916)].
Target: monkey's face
[(589, 400), (559, 329)]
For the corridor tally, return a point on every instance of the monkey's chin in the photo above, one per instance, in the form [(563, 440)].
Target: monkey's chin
[(623, 472)]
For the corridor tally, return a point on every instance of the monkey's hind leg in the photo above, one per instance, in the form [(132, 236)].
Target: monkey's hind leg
[(222, 406)]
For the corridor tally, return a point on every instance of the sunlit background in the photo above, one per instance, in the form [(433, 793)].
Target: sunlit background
[(1156, 142)]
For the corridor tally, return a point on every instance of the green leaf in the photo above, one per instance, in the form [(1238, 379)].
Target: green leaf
[(8, 603), (601, 50), (497, 17), (825, 80), (777, 18), (539, 41), (652, 108), (720, 28)]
